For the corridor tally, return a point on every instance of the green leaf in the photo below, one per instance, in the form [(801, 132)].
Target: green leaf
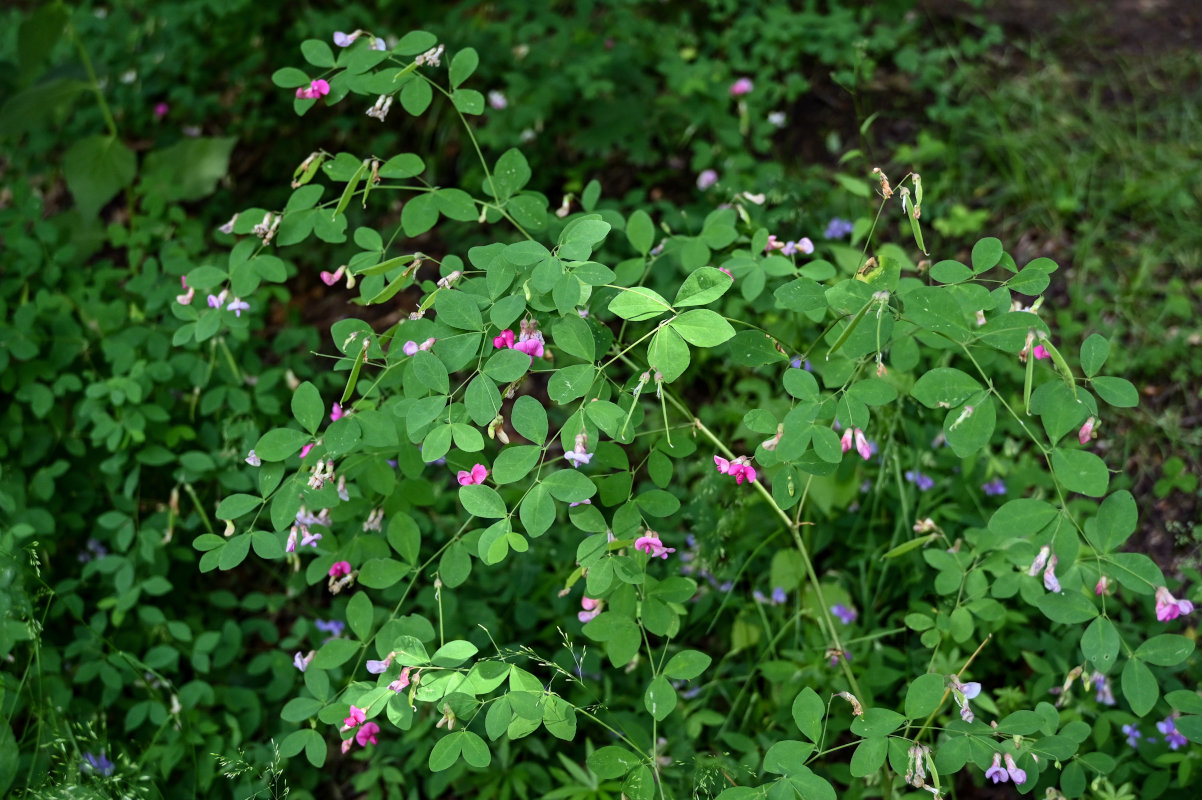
[(458, 310), (1080, 471), (405, 537), (1136, 572), (638, 304), (482, 501), (335, 653), (446, 752), (808, 711), (380, 573), (703, 286), (753, 349), (400, 167), (1100, 644), (1021, 723), (572, 335), (612, 762), (946, 387), (571, 383), (658, 503), (1165, 650), (462, 66), (515, 462), (986, 254), (877, 722), (510, 175), (869, 756), (537, 511), (475, 751), (660, 698), (317, 53), (1185, 701), (307, 407), (1139, 687), (360, 613), (640, 232), (236, 505), (687, 665), (569, 486), (96, 169), (952, 271), (924, 695), (419, 214), (529, 418), (667, 353), (1022, 517), (970, 428), (507, 365), (482, 399), (787, 757), (702, 328), (1066, 607), (1118, 392), (234, 552), (416, 96), (1115, 522), (453, 653), (1094, 352)]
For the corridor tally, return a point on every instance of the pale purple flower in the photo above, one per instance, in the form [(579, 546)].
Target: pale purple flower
[(1050, 581), (376, 667), (1104, 694), (101, 764), (1168, 607), (706, 179), (1172, 736), (402, 681), (309, 539), (1017, 775), (410, 348), (497, 101), (777, 119), (846, 615), (838, 228), (778, 596), (334, 627), (301, 662), (994, 488), (217, 300), (290, 547), (238, 305), (1133, 735), (591, 609), (253, 459), (577, 459), (996, 773), (923, 482)]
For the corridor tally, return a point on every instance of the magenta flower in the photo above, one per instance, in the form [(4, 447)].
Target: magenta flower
[(863, 446), (504, 341), (996, 773), (357, 716), (1017, 775), (741, 87), (304, 451), (739, 468), (476, 476), (317, 88), (1169, 607), (706, 178), (336, 413), (1087, 431), (367, 734), (531, 347), (1103, 586), (1041, 352), (340, 568), (331, 278), (410, 348), (650, 544), (728, 272)]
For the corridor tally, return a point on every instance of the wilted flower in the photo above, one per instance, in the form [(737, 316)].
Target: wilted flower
[(777, 119)]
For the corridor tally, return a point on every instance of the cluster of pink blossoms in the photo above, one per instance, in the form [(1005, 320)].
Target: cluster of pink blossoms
[(316, 89), (863, 447), (738, 468), (365, 732), (1169, 607), (529, 340)]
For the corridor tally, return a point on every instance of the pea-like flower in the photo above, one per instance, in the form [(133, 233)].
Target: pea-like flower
[(1172, 737), (996, 773), (1169, 607), (650, 544), (738, 468), (741, 87), (1017, 775), (317, 88), (367, 734), (476, 476), (591, 609)]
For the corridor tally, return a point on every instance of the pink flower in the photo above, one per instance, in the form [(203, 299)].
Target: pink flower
[(376, 667), (504, 341), (706, 178), (652, 546), (1103, 586), (728, 272), (367, 734), (331, 278), (591, 609), (357, 716), (290, 547), (317, 88), (773, 244), (410, 348), (1169, 607), (739, 468), (161, 109), (336, 413), (531, 347), (401, 682), (476, 476), (1041, 352), (1086, 433), (185, 298), (497, 101), (340, 568), (1050, 581), (741, 87), (861, 442), (305, 450)]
